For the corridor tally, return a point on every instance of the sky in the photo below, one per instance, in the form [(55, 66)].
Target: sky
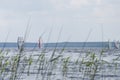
[(60, 20)]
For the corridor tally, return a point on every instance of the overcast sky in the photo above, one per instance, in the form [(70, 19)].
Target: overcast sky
[(77, 18)]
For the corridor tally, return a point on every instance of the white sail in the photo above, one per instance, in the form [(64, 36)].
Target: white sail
[(20, 42), (117, 44)]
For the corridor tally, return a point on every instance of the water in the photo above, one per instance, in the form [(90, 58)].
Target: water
[(64, 44), (59, 70), (74, 63)]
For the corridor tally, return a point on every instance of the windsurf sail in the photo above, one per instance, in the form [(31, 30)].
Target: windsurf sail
[(20, 42), (40, 42), (117, 44)]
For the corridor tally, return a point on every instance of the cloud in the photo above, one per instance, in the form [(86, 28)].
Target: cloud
[(102, 11), (74, 4), (9, 18), (98, 2), (75, 15), (78, 3), (5, 18), (106, 14)]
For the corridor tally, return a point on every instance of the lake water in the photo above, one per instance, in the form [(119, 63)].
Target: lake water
[(62, 63)]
